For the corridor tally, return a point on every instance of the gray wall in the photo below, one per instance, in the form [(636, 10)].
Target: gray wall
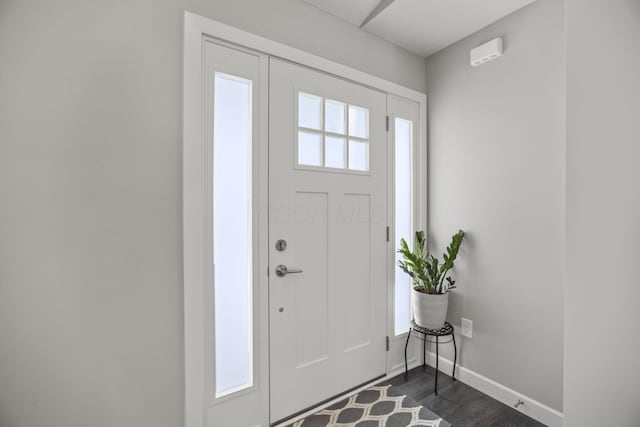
[(496, 169), (91, 301), (602, 314)]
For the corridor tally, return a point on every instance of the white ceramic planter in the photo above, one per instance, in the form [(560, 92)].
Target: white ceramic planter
[(429, 311)]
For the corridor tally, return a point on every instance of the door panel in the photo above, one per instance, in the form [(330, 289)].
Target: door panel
[(353, 232), (328, 201), (310, 320)]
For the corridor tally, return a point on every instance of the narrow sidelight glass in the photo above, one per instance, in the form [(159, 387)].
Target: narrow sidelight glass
[(232, 239), (403, 143)]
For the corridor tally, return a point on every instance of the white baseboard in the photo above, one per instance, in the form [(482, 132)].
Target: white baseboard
[(501, 393), (399, 368)]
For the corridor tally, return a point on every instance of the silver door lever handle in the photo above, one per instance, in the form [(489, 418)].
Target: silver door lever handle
[(282, 270)]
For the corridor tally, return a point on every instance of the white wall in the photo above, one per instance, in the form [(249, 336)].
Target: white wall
[(91, 320), (602, 313), (496, 170)]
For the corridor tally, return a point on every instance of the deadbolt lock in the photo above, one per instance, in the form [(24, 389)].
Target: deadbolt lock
[(281, 245)]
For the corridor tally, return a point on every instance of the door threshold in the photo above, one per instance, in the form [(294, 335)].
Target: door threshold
[(326, 403)]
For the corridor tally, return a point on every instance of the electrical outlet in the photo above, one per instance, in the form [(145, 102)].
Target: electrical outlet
[(466, 328)]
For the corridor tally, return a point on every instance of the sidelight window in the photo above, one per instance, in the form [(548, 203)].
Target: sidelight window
[(232, 237), (403, 143)]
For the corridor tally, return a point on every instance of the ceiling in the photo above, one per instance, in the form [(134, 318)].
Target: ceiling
[(421, 26)]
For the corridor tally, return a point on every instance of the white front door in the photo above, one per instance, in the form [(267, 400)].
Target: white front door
[(328, 202)]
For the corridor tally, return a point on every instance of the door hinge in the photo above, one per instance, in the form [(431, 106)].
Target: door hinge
[(388, 233), (387, 342), (387, 123)]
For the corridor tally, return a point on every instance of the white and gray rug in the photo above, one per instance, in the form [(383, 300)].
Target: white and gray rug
[(374, 407)]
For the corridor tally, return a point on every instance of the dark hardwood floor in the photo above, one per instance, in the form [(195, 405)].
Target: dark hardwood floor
[(458, 403)]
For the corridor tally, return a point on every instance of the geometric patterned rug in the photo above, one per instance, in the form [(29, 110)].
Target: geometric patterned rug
[(374, 407)]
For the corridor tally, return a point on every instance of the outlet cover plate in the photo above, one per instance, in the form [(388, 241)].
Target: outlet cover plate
[(466, 328)]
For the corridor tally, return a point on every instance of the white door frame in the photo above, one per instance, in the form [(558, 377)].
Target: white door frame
[(196, 29)]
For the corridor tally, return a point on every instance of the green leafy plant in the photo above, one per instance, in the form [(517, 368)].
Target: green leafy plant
[(427, 273)]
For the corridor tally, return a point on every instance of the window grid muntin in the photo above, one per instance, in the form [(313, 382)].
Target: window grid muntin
[(323, 133)]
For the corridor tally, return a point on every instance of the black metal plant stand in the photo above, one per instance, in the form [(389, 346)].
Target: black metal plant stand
[(422, 334)]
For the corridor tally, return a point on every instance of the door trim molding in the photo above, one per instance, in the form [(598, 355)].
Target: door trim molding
[(198, 25), (196, 29)]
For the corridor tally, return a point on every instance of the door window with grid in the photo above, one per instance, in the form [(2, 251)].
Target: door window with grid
[(332, 134)]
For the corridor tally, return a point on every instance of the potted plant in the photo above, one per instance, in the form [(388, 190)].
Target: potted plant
[(431, 279)]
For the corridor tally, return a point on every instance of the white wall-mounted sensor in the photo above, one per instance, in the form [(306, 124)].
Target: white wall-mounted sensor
[(486, 52)]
